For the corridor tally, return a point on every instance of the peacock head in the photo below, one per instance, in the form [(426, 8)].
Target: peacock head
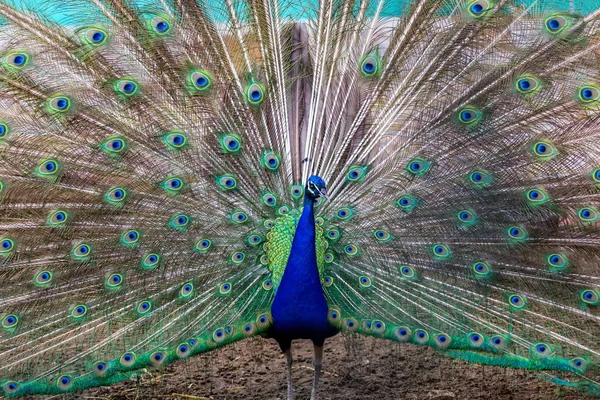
[(315, 187)]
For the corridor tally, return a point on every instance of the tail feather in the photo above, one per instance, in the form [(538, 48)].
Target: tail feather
[(152, 165)]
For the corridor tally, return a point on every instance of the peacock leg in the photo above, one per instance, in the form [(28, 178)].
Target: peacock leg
[(289, 359), (317, 363)]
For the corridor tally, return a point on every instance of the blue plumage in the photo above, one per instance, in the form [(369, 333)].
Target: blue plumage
[(299, 309)]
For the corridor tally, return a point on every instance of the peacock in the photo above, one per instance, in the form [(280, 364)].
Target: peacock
[(179, 175)]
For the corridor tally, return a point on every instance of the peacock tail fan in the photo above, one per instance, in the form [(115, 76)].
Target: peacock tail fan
[(153, 159)]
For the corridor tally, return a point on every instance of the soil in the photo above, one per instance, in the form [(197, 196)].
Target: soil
[(354, 368)]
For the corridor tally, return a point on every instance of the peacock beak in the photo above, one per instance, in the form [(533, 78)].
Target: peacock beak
[(324, 193)]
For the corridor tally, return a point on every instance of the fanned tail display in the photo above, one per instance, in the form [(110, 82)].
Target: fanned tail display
[(176, 176)]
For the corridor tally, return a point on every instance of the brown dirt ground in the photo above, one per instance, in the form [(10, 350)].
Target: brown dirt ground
[(354, 368)]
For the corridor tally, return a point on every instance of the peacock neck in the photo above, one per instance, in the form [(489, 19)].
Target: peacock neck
[(302, 262), (299, 308)]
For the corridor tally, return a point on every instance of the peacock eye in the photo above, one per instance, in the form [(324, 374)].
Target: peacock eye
[(186, 290), (174, 140), (81, 252), (43, 278), (126, 87), (588, 94), (542, 349), (6, 245), (469, 115), (467, 217), (517, 233), (114, 146), (95, 36), (441, 251), (479, 8), (516, 301), (3, 130), (230, 143), (201, 80), (160, 25), (270, 160), (144, 307), (17, 60), (255, 94), (150, 261), (588, 214), (590, 296), (557, 262), (79, 311), (370, 66), (418, 166), (527, 84), (116, 196), (482, 269), (173, 185), (59, 104), (555, 24)]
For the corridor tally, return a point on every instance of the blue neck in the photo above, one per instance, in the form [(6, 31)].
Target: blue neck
[(302, 263), (299, 308)]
